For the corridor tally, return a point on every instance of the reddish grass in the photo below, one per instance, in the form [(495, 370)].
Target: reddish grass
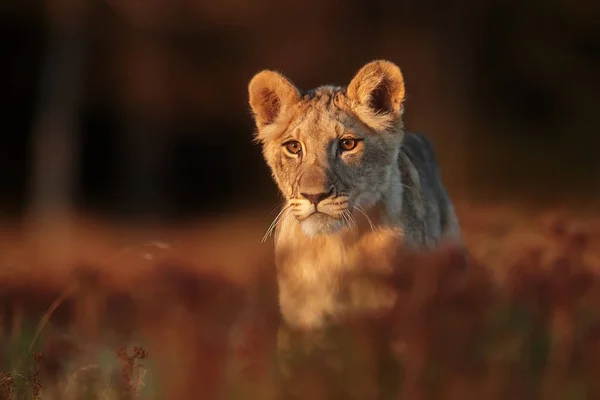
[(515, 318)]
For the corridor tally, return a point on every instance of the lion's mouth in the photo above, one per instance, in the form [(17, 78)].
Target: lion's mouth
[(317, 216)]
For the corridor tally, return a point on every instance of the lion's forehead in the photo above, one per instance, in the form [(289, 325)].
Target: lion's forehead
[(321, 126), (325, 93)]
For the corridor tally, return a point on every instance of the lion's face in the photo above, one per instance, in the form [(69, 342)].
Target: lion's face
[(330, 150), (327, 164)]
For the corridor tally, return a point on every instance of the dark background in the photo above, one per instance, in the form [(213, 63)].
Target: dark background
[(128, 108)]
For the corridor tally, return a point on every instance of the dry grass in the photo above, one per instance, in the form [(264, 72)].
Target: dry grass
[(192, 313)]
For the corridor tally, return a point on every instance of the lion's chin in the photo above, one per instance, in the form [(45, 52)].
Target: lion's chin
[(320, 224)]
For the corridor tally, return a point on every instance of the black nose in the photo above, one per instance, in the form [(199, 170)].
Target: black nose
[(316, 198)]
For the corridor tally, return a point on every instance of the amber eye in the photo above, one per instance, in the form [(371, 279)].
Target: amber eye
[(348, 144), (293, 146)]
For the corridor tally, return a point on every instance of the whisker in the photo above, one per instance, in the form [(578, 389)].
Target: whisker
[(282, 214), (352, 221), (364, 213), (343, 215), (277, 206), (346, 219), (276, 221), (273, 225)]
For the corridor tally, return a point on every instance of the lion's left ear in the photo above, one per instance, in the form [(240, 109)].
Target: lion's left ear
[(270, 93), (379, 86)]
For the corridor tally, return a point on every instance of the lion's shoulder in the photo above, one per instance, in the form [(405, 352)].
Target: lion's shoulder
[(421, 152), (424, 193)]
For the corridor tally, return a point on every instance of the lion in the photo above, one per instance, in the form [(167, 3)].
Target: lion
[(355, 185)]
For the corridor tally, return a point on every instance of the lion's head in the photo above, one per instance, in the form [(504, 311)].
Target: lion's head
[(331, 150)]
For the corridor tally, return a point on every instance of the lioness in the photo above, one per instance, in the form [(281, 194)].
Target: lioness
[(355, 184)]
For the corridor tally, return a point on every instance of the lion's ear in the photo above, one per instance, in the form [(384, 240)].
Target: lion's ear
[(379, 86), (270, 93)]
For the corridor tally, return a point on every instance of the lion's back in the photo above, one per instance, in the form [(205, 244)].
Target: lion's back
[(428, 210)]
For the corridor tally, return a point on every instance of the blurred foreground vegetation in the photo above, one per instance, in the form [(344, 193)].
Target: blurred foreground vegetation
[(464, 328)]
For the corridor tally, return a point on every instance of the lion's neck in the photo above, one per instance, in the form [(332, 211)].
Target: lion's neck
[(391, 198)]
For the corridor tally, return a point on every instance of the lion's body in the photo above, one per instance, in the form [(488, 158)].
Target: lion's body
[(356, 186), (427, 213)]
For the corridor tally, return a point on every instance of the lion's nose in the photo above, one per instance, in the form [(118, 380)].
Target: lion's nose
[(316, 198)]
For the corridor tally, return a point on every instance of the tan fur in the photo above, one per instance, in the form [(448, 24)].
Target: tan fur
[(347, 208)]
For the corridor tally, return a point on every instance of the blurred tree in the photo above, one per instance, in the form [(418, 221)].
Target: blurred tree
[(55, 136)]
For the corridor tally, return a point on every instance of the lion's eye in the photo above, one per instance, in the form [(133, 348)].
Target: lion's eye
[(293, 146), (348, 144)]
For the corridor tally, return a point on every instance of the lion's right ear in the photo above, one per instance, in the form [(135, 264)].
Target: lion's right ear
[(270, 94), (377, 90)]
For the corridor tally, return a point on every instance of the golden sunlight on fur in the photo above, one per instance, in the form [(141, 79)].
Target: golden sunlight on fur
[(356, 188)]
